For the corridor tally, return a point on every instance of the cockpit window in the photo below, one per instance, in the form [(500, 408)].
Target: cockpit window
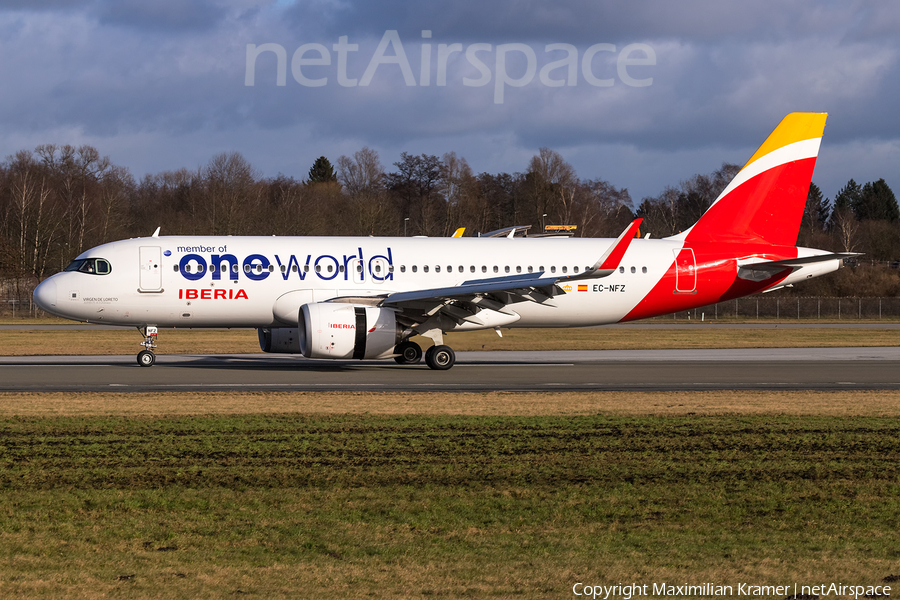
[(94, 266)]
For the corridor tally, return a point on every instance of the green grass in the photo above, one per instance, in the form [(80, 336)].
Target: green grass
[(447, 506)]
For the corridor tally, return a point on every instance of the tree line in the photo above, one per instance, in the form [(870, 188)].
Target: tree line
[(59, 200)]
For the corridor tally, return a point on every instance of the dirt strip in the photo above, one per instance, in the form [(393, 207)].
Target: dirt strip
[(870, 403)]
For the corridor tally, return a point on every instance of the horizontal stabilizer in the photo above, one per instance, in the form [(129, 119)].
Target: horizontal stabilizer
[(781, 265)]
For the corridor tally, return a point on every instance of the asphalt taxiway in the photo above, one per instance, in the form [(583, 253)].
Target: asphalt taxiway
[(622, 370)]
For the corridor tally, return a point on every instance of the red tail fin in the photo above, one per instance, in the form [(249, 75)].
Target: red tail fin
[(765, 201)]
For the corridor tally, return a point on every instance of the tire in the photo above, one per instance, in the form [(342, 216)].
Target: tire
[(440, 358), (145, 358), (408, 353)]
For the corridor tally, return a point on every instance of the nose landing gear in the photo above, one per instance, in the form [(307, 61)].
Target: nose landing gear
[(146, 357)]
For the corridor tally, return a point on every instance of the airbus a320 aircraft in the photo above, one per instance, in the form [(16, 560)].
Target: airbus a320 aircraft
[(364, 297)]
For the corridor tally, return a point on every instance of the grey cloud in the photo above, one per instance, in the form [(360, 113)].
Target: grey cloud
[(171, 15), (725, 75), (574, 21)]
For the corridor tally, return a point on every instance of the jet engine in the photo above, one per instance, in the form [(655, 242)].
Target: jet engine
[(334, 330)]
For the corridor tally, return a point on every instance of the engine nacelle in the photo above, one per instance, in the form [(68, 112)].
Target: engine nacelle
[(335, 330), (280, 340)]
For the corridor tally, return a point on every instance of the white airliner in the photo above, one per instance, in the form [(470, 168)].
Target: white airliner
[(364, 297)]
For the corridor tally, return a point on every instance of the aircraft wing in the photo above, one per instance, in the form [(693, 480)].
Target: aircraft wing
[(464, 301)]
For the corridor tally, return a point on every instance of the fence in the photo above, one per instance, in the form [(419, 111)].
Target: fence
[(787, 307)]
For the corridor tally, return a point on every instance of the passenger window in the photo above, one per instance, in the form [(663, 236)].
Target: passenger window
[(483, 269), (633, 270), (472, 269), (643, 269), (437, 269), (246, 268), (390, 268), (330, 268), (318, 268), (294, 268), (506, 268), (553, 269), (461, 268), (621, 269), (306, 268), (565, 269), (359, 267), (403, 268), (271, 268), (175, 267), (414, 268), (530, 269), (378, 268), (187, 268), (425, 268), (234, 268), (574, 269), (496, 269)]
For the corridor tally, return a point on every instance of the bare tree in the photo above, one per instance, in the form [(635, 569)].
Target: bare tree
[(553, 186), (232, 196)]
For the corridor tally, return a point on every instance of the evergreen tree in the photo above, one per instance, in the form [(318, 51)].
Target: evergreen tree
[(321, 171), (876, 202), (844, 202), (815, 215)]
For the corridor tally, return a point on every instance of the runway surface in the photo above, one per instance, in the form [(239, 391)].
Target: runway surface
[(622, 370)]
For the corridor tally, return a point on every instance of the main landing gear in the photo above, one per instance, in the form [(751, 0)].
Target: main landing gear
[(439, 357), (145, 357), (408, 353)]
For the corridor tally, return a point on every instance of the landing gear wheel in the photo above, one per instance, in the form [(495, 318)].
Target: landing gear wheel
[(145, 358), (408, 353), (440, 358)]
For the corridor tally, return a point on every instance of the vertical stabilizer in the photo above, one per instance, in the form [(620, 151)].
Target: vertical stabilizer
[(764, 202)]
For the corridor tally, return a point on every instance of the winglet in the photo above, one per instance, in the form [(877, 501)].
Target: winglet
[(459, 232), (610, 260), (156, 233)]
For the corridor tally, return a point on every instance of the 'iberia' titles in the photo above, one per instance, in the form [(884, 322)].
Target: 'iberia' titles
[(212, 294)]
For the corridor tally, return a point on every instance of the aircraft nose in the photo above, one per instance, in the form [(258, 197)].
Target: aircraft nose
[(45, 295)]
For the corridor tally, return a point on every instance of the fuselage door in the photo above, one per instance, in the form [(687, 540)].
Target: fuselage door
[(151, 271), (685, 271)]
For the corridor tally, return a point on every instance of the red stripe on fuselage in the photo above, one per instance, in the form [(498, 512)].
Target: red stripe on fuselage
[(717, 280)]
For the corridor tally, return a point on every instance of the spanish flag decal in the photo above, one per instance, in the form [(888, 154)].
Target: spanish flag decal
[(582, 287)]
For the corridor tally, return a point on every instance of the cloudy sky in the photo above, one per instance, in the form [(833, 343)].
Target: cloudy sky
[(643, 94)]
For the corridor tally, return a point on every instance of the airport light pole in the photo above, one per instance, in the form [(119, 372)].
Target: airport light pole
[(404, 226), (542, 222)]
